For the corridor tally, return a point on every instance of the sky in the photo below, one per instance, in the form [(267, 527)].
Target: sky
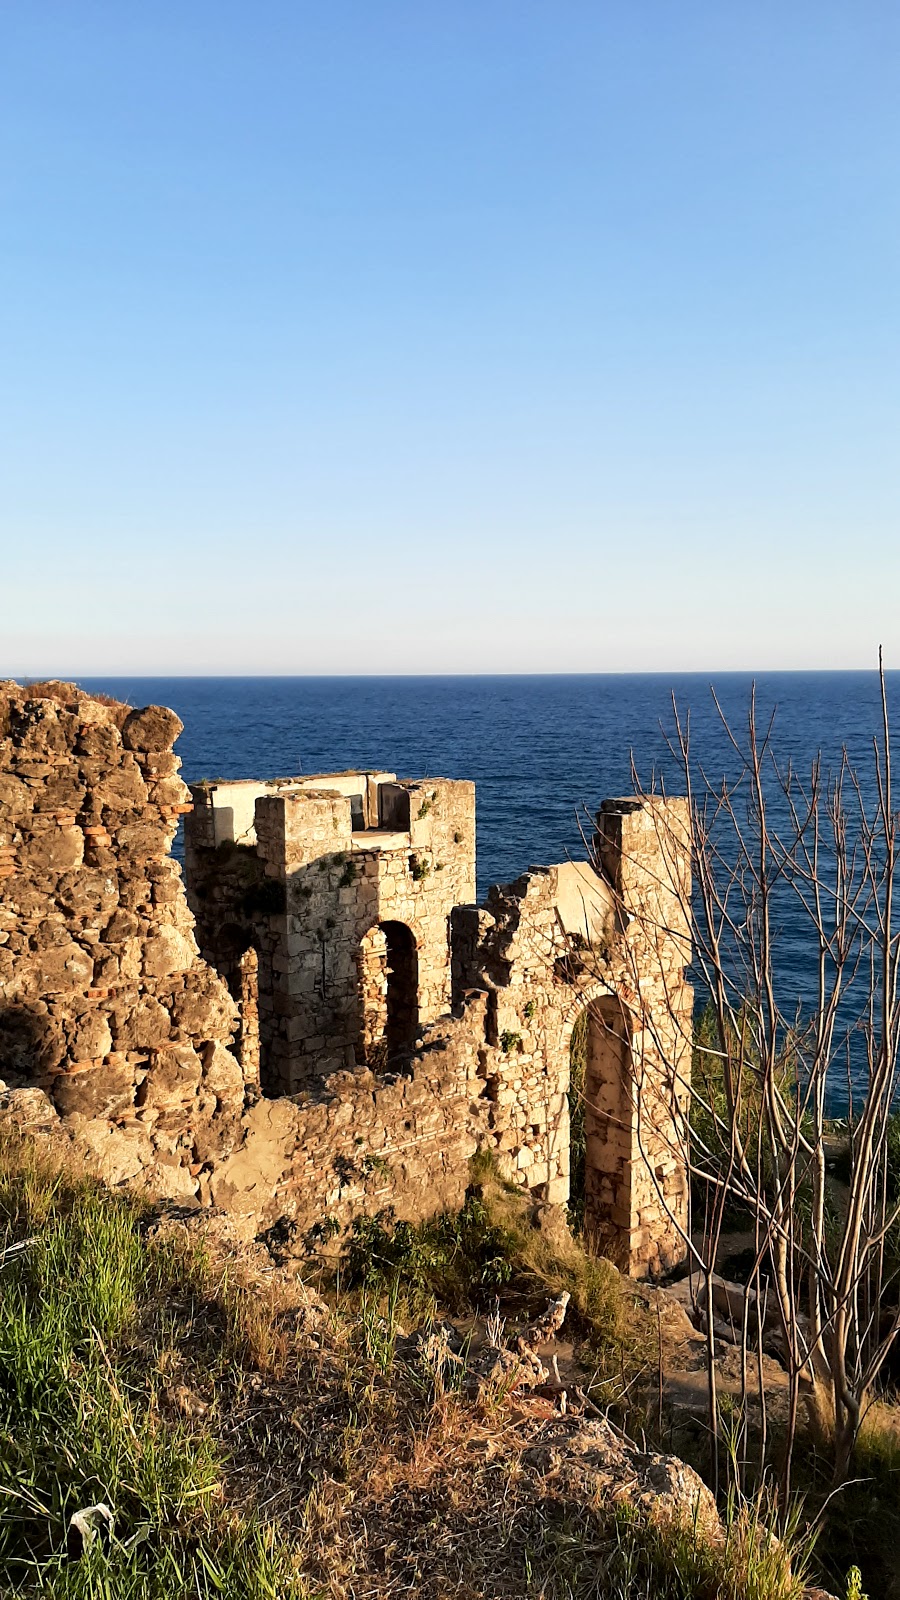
[(473, 336)]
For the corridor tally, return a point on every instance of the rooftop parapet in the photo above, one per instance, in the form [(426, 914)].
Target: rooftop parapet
[(336, 879)]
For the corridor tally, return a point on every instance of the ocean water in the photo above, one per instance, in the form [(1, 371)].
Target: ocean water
[(543, 751)]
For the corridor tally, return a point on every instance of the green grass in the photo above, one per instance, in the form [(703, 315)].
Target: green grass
[(862, 1525), (86, 1322), (492, 1247)]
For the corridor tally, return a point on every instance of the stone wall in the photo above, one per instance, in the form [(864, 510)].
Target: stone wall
[(565, 940), (105, 1005), (358, 1142), (316, 896)]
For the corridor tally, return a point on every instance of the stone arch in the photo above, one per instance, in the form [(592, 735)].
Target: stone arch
[(388, 992), (579, 1004)]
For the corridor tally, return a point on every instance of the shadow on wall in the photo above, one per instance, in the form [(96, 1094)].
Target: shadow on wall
[(34, 1054), (31, 1045)]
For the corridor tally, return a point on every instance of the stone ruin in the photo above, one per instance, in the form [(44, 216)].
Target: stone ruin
[(325, 1023)]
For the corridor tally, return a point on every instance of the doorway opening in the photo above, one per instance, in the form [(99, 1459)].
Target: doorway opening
[(599, 1101), (388, 994)]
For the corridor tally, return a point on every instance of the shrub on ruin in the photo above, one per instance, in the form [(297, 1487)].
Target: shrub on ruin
[(456, 1257)]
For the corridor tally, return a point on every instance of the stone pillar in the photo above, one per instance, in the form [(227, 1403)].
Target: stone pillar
[(643, 846), (248, 1039), (373, 984)]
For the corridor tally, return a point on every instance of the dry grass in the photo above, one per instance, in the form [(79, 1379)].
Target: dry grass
[(65, 693), (257, 1443)]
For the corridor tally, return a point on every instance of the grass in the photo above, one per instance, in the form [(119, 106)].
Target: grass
[(862, 1526), (252, 1444), (491, 1246), (89, 1316)]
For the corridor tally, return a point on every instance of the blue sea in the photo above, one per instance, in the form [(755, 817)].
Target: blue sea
[(543, 751)]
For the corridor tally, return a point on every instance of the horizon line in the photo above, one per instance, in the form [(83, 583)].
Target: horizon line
[(379, 677)]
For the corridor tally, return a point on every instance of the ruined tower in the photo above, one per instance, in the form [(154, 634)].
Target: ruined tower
[(344, 884)]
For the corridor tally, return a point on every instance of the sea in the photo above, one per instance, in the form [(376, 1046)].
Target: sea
[(543, 751)]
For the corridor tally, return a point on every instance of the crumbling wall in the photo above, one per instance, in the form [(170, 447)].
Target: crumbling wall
[(622, 961), (116, 1032), (357, 1142), (105, 1005)]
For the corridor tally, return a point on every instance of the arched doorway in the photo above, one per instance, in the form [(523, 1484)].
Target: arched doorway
[(388, 993), (599, 1121)]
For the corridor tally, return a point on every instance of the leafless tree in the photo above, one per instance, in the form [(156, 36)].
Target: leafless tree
[(777, 1040)]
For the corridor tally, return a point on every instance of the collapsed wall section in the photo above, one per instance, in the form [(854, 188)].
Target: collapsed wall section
[(608, 941), (357, 1143)]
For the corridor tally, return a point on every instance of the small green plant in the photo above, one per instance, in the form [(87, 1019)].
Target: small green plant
[(375, 1163), (419, 868), (457, 837), (510, 1041), (577, 1134), (326, 1228), (854, 1585), (528, 1010), (348, 876), (455, 1255), (90, 1314), (379, 1326), (426, 806)]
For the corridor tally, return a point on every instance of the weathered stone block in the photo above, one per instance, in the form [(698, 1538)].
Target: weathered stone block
[(167, 952), (154, 728)]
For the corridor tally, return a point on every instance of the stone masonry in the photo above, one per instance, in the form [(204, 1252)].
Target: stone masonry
[(355, 1028), (333, 880), (105, 1002)]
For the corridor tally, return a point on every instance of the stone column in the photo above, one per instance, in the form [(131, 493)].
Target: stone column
[(248, 1041), (643, 847)]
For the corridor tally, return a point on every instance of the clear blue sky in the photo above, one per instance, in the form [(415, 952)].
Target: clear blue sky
[(482, 335)]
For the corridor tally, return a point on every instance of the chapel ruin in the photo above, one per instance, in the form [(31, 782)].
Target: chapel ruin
[(326, 1023)]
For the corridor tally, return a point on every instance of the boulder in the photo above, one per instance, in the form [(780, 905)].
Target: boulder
[(145, 1027), (588, 1460), (204, 1008), (52, 852), (116, 1155), (153, 728), (222, 1074), (104, 1091), (90, 1038), (172, 1080), (63, 968)]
